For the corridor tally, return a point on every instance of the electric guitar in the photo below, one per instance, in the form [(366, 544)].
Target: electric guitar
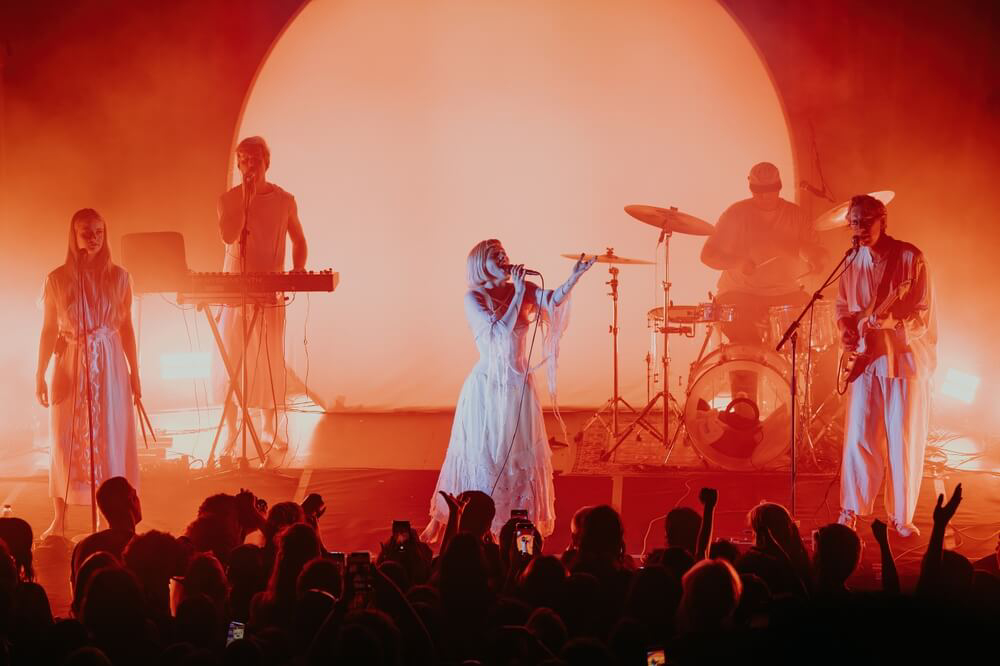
[(855, 359)]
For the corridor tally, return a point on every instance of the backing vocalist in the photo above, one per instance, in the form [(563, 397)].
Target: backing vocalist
[(271, 215), (88, 327)]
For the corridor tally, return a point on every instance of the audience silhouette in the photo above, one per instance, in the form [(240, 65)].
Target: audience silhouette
[(209, 598)]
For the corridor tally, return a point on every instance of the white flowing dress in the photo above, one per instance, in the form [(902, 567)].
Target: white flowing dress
[(498, 441), (103, 364)]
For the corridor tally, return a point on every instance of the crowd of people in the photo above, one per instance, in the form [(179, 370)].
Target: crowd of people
[(248, 584)]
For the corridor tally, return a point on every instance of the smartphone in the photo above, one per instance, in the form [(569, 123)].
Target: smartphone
[(655, 657), (519, 513), (359, 579), (524, 535), (236, 632), (400, 533), (338, 557)]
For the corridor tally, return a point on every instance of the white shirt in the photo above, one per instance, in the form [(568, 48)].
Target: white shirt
[(909, 351)]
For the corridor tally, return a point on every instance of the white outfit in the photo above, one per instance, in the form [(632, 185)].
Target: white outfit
[(888, 408), (488, 415), (268, 228), (111, 392)]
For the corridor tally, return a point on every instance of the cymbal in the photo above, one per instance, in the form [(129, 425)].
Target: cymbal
[(671, 220), (610, 257), (836, 217)]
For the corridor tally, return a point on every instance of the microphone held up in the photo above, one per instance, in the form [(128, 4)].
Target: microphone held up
[(527, 271)]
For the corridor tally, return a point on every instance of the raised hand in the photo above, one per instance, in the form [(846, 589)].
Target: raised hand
[(455, 505), (880, 531), (314, 507), (708, 497), (943, 514), (583, 265)]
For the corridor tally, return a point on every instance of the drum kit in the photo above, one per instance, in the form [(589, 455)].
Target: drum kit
[(739, 409)]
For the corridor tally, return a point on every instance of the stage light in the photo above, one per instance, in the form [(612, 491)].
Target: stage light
[(960, 385), (185, 365)]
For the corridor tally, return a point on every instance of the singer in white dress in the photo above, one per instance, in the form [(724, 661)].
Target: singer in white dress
[(107, 363), (498, 441)]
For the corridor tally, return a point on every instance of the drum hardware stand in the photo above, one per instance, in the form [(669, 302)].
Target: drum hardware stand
[(791, 333), (616, 398), (709, 330), (665, 330), (651, 378)]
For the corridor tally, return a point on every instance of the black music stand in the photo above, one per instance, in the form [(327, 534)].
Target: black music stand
[(155, 260)]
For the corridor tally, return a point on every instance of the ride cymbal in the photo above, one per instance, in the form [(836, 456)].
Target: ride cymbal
[(670, 220)]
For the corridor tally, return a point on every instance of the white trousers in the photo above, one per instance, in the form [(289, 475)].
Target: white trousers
[(886, 427)]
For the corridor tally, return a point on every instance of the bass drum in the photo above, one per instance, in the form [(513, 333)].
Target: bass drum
[(743, 430)]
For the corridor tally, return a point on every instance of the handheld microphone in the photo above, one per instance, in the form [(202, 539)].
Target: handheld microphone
[(527, 271)]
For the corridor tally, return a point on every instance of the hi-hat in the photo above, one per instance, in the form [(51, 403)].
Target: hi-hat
[(670, 220), (609, 257), (836, 217)]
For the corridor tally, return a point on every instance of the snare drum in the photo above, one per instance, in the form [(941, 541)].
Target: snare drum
[(824, 324), (677, 314)]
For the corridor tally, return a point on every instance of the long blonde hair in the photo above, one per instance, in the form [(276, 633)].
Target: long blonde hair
[(101, 263), (475, 266)]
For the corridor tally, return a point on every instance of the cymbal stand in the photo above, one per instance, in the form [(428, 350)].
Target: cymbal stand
[(616, 398), (666, 330)]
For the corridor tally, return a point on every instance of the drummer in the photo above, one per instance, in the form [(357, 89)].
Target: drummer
[(764, 246)]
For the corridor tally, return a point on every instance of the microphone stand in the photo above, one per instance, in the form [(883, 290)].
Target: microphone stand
[(81, 326), (792, 334), (244, 232)]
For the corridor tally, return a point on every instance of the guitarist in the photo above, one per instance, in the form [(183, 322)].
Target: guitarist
[(885, 312)]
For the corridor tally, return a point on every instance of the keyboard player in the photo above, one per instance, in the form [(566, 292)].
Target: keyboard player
[(271, 219)]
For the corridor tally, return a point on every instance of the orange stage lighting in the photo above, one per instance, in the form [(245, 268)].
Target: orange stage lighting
[(409, 131)]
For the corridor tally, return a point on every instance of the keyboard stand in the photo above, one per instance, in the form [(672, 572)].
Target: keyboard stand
[(234, 384)]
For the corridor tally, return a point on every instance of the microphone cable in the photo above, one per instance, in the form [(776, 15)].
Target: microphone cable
[(524, 386)]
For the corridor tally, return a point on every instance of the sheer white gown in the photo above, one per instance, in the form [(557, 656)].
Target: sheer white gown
[(102, 363), (498, 441)]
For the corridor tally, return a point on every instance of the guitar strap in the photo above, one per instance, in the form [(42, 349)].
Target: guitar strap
[(886, 338), (885, 283)]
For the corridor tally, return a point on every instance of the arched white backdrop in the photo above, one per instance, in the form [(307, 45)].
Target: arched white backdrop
[(408, 131)]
